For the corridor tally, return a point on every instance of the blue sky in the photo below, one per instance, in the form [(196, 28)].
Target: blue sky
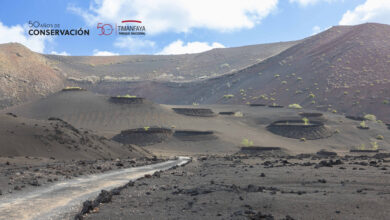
[(180, 26)]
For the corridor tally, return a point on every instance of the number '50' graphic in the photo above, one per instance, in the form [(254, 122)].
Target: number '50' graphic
[(106, 29)]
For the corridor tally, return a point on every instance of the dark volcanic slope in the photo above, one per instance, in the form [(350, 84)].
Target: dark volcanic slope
[(56, 138), (166, 67), (224, 133), (84, 109), (345, 68)]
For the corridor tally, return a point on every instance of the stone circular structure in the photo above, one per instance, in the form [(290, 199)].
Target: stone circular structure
[(275, 106), (256, 104), (297, 129), (127, 100), (227, 113), (199, 112), (311, 114), (315, 116), (143, 136), (355, 118)]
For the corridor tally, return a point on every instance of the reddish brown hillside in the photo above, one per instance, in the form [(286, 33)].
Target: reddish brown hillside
[(183, 67), (344, 69), (25, 75)]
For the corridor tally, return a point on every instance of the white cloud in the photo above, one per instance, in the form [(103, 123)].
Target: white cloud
[(310, 2), (370, 11), (133, 44), (178, 47), (63, 53), (179, 15), (97, 52), (317, 29), (17, 34)]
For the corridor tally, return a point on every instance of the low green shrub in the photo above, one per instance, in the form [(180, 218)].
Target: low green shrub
[(295, 106), (246, 143), (305, 121), (228, 96), (370, 117), (380, 137)]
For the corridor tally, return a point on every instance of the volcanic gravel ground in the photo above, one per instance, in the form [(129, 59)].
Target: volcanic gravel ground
[(20, 173), (247, 187)]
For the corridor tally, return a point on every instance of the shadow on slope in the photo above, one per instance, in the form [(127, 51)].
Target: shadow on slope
[(57, 138)]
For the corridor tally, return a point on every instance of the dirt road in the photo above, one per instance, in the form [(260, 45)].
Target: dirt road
[(62, 200)]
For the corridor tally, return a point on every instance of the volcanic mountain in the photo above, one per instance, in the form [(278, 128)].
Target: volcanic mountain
[(344, 69), (26, 75)]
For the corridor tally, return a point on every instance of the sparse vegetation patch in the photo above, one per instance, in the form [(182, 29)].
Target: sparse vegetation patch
[(228, 96), (295, 106), (246, 143), (370, 117), (374, 147), (363, 125), (127, 99)]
